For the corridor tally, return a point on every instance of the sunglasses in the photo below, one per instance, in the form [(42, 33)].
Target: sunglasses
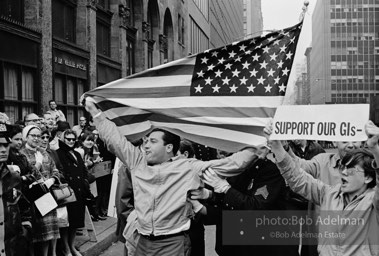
[(45, 137), (70, 139), (349, 171)]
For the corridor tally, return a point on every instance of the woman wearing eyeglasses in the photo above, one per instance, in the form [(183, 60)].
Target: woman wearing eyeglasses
[(75, 173), (45, 228), (349, 211)]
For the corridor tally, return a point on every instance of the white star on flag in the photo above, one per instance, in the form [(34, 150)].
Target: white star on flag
[(216, 88), (285, 71), (236, 72), (263, 64), (198, 88), (225, 80), (261, 80), (243, 80), (218, 73), (251, 88), (233, 88), (268, 88), (282, 88), (208, 81)]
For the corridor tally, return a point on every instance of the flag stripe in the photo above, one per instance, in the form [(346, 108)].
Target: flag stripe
[(152, 92), (228, 140), (167, 71), (248, 128), (201, 102), (140, 83), (190, 60), (195, 112)]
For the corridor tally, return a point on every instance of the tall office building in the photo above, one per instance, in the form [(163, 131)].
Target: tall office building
[(252, 18), (345, 51), (214, 23)]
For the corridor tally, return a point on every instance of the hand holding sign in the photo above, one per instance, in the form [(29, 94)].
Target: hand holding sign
[(372, 132), (276, 145)]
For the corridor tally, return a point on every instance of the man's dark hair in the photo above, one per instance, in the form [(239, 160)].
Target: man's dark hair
[(51, 101), (186, 145), (169, 138), (364, 159)]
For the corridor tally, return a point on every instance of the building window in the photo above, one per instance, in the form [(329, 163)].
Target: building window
[(103, 38), (103, 32), (180, 29), (67, 91), (150, 37), (18, 93), (12, 9), (130, 46), (63, 16)]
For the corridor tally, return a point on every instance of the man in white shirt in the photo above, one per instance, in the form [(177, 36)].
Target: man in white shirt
[(78, 129), (57, 114)]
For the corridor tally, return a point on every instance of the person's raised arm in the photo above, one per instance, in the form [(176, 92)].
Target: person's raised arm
[(116, 142), (229, 166), (298, 180), (372, 132)]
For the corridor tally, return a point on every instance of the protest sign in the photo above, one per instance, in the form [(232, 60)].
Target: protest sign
[(321, 122)]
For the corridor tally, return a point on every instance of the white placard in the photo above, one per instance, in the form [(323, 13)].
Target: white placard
[(321, 122), (45, 204)]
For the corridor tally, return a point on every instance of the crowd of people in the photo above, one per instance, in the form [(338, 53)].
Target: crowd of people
[(40, 153), (165, 196)]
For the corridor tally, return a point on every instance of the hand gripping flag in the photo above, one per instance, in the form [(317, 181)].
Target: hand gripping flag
[(221, 98)]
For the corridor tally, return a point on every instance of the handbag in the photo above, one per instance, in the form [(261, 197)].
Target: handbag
[(70, 199), (61, 191)]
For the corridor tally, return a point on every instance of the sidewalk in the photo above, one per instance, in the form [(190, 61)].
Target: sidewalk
[(105, 233)]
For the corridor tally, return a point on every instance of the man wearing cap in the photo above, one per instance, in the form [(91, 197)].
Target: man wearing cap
[(10, 220)]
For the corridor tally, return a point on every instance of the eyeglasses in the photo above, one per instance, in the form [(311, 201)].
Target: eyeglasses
[(33, 120), (82, 120), (35, 136), (350, 171), (45, 137), (70, 139)]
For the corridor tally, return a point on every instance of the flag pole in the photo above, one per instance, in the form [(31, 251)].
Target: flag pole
[(304, 10)]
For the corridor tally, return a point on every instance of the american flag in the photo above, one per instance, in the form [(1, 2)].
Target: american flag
[(221, 98)]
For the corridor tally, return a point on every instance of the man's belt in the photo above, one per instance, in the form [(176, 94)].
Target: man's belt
[(154, 238)]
